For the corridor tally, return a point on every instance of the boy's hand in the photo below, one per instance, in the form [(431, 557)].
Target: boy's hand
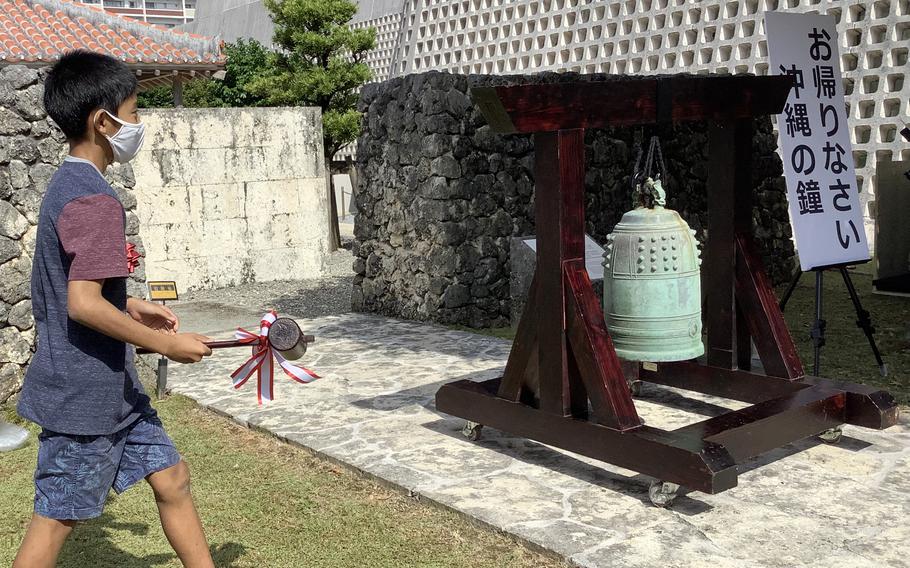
[(187, 348), (154, 316)]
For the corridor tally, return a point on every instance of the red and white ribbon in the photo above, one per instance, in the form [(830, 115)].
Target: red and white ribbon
[(261, 362), (132, 257)]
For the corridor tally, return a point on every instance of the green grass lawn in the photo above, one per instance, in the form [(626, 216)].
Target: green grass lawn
[(846, 354), (264, 504)]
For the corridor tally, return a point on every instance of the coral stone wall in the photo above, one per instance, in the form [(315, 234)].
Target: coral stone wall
[(439, 195), (31, 147)]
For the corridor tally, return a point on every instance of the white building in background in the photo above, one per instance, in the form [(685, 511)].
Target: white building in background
[(633, 37), (231, 20), (167, 13), (671, 36)]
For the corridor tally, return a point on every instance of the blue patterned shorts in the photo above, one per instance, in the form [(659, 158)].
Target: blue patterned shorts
[(76, 473)]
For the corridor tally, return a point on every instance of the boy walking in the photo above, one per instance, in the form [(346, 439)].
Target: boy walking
[(99, 430)]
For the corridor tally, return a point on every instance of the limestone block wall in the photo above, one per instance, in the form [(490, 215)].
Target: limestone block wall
[(439, 196), (230, 196), (31, 148)]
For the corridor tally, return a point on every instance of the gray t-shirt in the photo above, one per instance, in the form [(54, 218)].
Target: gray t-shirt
[(79, 381)]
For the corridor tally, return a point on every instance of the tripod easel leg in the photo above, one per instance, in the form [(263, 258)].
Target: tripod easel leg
[(818, 329), (864, 321), (796, 276)]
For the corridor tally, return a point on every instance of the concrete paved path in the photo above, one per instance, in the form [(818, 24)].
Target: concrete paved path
[(808, 504)]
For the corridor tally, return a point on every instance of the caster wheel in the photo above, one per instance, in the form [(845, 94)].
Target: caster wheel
[(635, 388), (472, 430), (832, 436), (662, 493)]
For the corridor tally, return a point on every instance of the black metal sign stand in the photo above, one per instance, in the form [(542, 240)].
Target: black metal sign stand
[(863, 321)]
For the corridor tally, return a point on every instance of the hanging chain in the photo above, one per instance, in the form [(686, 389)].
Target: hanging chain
[(640, 175)]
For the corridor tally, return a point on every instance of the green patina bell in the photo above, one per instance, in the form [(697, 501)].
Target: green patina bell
[(652, 287)]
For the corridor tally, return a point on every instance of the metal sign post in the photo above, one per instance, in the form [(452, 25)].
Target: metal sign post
[(162, 291)]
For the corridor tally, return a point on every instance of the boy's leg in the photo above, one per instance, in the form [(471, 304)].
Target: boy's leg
[(72, 479), (42, 542), (179, 518), (150, 454)]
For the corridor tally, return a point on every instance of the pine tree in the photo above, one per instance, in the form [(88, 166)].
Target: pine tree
[(319, 62)]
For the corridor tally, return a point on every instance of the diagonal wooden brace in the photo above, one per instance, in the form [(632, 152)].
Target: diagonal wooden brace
[(593, 352), (765, 321)]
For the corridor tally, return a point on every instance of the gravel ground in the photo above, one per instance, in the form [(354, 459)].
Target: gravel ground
[(310, 298)]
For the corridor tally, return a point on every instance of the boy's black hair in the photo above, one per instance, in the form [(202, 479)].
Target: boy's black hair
[(82, 81)]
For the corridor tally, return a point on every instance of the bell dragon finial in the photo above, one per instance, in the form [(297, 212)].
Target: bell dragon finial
[(649, 193)]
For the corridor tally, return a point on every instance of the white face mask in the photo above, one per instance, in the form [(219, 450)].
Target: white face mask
[(128, 140)]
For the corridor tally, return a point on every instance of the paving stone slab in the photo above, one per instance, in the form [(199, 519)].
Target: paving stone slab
[(806, 504)]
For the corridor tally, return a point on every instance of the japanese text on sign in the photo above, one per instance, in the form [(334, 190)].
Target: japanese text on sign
[(815, 141)]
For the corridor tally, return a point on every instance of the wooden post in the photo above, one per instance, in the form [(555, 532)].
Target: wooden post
[(742, 223), (177, 86), (719, 254), (558, 171)]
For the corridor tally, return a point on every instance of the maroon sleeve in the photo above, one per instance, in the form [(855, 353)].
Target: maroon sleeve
[(92, 234)]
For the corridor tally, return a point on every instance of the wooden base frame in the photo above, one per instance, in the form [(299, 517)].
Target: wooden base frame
[(563, 363)]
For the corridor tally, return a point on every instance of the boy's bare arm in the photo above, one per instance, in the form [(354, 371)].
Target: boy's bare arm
[(86, 305)]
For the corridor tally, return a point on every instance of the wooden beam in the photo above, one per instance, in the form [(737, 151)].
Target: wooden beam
[(742, 223), (552, 366), (559, 182), (867, 406), (681, 459), (719, 253), (767, 425), (620, 101), (733, 384)]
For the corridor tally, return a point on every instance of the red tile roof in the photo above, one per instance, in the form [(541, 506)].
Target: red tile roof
[(35, 31)]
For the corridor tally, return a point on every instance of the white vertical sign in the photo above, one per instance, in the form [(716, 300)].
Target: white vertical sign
[(815, 141)]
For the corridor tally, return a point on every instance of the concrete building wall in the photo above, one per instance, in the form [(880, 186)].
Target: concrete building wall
[(671, 36), (166, 13), (388, 32), (231, 20), (229, 196)]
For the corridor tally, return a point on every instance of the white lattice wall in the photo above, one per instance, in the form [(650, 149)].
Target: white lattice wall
[(388, 28), (663, 36)]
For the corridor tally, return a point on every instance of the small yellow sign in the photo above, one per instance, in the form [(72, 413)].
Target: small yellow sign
[(160, 290)]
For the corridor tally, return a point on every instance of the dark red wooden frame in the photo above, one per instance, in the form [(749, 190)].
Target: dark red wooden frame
[(563, 356)]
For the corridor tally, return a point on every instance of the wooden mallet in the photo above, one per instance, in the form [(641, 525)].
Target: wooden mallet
[(285, 337)]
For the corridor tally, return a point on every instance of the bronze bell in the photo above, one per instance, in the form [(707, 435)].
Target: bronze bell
[(652, 286)]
